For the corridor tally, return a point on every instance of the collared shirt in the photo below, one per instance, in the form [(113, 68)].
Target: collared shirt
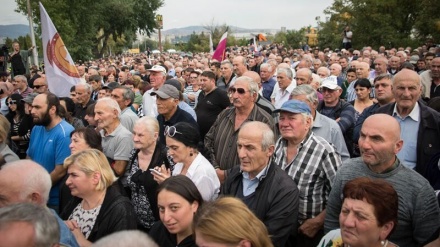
[(329, 129), (250, 185), (221, 140), (268, 87), (283, 95), (313, 169), (409, 128), (351, 93)]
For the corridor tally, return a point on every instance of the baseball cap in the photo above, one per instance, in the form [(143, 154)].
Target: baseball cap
[(167, 91), (111, 85), (330, 83), (294, 106), (174, 83), (414, 59), (158, 68), (29, 98)]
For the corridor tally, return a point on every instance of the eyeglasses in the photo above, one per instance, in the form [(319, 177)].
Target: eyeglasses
[(12, 102), (171, 131), (191, 77), (238, 90), (38, 86)]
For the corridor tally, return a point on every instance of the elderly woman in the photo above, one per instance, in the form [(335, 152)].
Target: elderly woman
[(368, 215), (237, 224), (98, 208), (183, 142), (178, 200), (148, 152)]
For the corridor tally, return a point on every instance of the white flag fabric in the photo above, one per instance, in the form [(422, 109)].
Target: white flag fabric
[(61, 72)]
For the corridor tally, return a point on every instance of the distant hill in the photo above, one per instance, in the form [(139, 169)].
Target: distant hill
[(198, 29), (13, 31)]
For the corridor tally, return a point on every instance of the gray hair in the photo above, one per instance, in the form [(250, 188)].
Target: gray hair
[(253, 86), (286, 71), (227, 62), (268, 137), (110, 103), (268, 66), (47, 230), (383, 76), (150, 122), (127, 94), (33, 178), (307, 91), (87, 87), (133, 238), (21, 77)]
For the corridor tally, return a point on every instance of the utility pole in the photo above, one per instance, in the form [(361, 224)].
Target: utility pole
[(159, 20), (31, 26)]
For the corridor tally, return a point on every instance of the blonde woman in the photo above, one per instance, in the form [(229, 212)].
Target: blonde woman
[(98, 208), (229, 222)]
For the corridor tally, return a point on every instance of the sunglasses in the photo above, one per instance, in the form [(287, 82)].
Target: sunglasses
[(38, 86), (12, 102), (238, 90), (171, 131)]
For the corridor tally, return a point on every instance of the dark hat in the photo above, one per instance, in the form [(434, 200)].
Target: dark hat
[(167, 91), (111, 85), (174, 83)]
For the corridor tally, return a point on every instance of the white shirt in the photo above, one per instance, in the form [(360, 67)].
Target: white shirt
[(203, 174), (149, 106), (284, 95)]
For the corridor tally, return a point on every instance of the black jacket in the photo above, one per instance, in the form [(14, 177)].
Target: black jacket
[(116, 214), (164, 238), (275, 202), (428, 137)]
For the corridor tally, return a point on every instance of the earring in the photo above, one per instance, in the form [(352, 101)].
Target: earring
[(191, 154)]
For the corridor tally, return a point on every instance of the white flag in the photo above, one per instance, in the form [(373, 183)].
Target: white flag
[(61, 73), (211, 46)]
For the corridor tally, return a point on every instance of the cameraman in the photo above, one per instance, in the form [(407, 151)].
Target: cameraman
[(347, 35), (19, 60)]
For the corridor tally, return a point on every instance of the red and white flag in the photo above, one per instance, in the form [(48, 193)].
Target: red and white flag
[(219, 53), (61, 72)]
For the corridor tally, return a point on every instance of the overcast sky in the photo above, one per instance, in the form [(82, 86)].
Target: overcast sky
[(292, 14)]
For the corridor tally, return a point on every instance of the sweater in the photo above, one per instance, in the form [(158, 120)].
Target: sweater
[(418, 212)]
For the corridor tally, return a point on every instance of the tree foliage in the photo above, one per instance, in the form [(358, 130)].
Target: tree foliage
[(87, 27), (377, 22)]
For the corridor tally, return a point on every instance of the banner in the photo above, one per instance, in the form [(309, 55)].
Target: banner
[(219, 53), (61, 72)]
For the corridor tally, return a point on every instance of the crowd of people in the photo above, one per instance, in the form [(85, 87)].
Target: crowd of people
[(272, 146)]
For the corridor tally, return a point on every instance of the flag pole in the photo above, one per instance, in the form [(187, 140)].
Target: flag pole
[(31, 27)]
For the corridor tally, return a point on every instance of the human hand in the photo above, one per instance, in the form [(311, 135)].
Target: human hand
[(161, 174), (220, 174), (310, 227)]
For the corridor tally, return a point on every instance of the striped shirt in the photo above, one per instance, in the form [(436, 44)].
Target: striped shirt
[(221, 140), (313, 169)]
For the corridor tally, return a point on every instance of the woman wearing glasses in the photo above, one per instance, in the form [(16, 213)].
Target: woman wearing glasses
[(183, 146), (148, 152), (21, 125)]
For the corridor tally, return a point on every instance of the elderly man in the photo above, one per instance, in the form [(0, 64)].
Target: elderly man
[(311, 162), (125, 97), (117, 141), (240, 66), (40, 85), (266, 189), (211, 102), (339, 110), (420, 125), (260, 102), (167, 99), (49, 141), (21, 86), (394, 65), (323, 72), (322, 126), (221, 139), (380, 67), (419, 214), (228, 77), (268, 81), (286, 84), (303, 76), (431, 80), (83, 100), (157, 79), (25, 181)]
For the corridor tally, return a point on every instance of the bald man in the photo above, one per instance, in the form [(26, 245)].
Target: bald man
[(379, 143), (420, 124), (261, 101), (25, 181)]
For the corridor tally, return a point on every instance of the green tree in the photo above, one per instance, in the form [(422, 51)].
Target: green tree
[(377, 22), (80, 21)]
